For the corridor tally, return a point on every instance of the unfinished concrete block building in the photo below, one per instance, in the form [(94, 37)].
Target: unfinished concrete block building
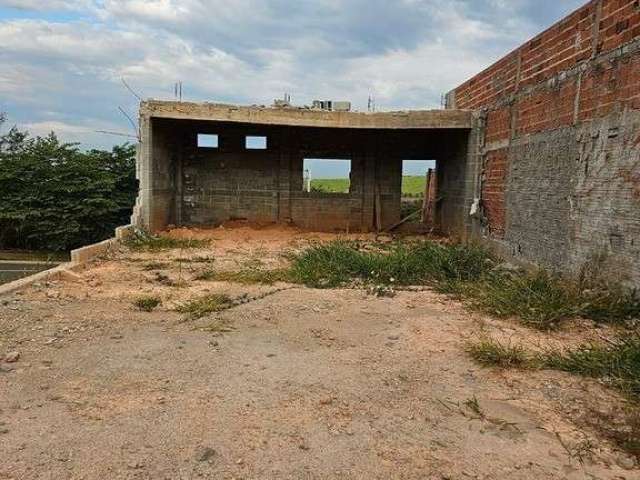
[(538, 155), (204, 164)]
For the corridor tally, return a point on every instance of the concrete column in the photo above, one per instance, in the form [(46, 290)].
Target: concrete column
[(142, 215), (368, 192), (156, 170), (284, 178)]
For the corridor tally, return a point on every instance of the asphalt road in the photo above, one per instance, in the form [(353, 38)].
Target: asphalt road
[(13, 270)]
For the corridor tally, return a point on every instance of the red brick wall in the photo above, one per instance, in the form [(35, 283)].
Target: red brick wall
[(498, 125), (557, 49), (493, 190), (539, 87)]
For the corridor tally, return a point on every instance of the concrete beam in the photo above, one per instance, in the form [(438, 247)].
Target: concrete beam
[(301, 117)]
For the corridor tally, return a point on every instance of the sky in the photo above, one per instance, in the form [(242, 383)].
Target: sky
[(62, 62), (333, 168)]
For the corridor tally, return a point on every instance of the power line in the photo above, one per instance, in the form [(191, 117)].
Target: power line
[(118, 134), (130, 89)]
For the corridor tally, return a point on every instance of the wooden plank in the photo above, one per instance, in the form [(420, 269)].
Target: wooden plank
[(425, 200), (378, 208)]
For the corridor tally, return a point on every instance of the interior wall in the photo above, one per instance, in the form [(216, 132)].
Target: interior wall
[(229, 182)]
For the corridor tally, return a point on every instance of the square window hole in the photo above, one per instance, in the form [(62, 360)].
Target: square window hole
[(207, 140), (255, 142), (326, 175)]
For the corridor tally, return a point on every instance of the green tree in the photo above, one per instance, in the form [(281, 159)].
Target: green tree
[(54, 196)]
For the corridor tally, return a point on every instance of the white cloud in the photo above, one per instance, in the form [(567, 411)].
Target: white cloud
[(152, 10), (406, 53), (87, 136), (46, 5)]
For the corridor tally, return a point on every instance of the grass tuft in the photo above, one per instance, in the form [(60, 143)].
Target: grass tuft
[(340, 263), (474, 406), (205, 259), (250, 276), (539, 298), (147, 303), (202, 306), (141, 240), (218, 326), (609, 304), (150, 266), (617, 364), (492, 353)]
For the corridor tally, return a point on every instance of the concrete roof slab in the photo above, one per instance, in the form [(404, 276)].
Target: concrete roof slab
[(305, 117)]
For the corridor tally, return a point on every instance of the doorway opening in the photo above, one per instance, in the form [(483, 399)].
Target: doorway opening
[(417, 204)]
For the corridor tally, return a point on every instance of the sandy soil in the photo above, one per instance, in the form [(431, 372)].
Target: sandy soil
[(307, 384)]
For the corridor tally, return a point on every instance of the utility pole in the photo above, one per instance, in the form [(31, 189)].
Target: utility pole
[(307, 181), (177, 91)]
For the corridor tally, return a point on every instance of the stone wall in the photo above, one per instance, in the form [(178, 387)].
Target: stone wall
[(560, 143)]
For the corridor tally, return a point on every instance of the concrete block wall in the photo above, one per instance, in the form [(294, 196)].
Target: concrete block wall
[(560, 146)]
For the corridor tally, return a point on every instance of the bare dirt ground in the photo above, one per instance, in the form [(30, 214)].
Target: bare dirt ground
[(306, 384)]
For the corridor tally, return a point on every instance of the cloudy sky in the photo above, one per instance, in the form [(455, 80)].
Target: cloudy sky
[(62, 61)]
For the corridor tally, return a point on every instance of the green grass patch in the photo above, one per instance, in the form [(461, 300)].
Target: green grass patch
[(144, 241), (412, 186), (618, 363), (248, 276), (608, 304), (330, 185), (203, 306), (147, 303), (491, 353), (543, 300), (538, 298), (340, 263)]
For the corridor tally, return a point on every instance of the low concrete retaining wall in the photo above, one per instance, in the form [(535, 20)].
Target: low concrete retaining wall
[(64, 270), (79, 258), (83, 255)]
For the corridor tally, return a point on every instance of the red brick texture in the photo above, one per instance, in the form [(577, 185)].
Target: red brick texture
[(493, 190), (558, 49), (573, 72)]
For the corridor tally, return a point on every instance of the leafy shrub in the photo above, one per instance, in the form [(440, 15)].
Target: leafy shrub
[(56, 197)]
